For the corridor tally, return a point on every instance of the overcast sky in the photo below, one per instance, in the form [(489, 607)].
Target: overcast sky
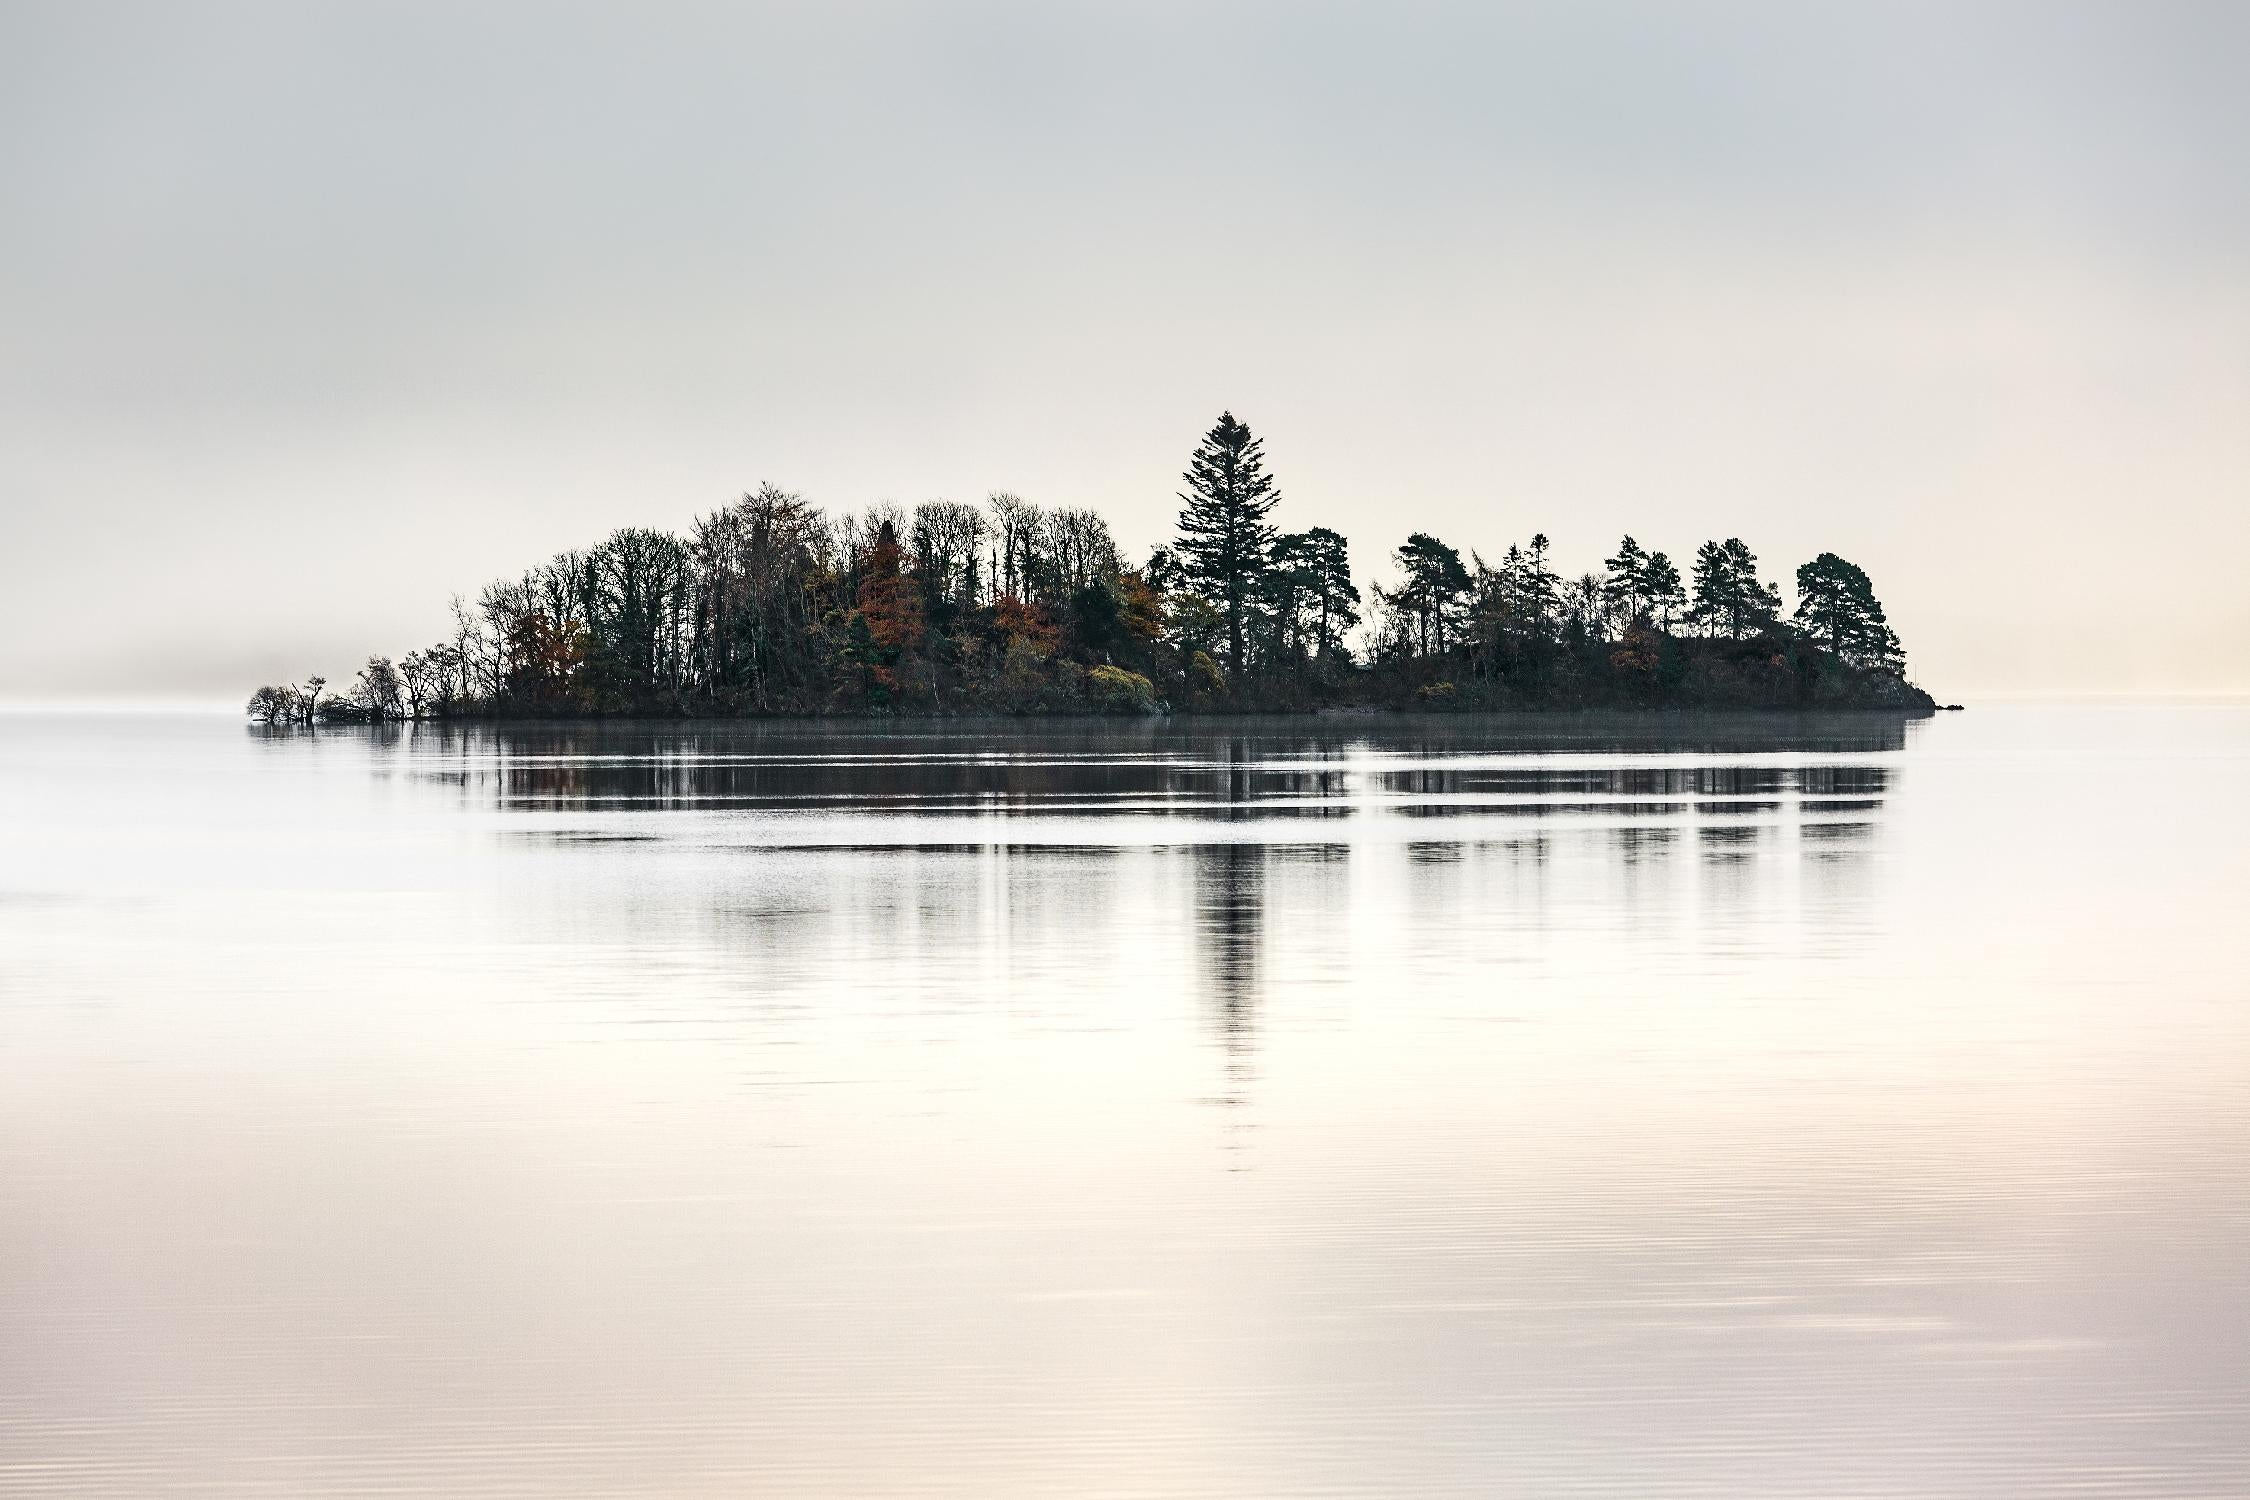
[(311, 316)]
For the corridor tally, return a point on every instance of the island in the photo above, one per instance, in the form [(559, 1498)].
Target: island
[(770, 606)]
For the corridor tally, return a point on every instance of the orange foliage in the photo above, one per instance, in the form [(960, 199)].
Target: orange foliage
[(1028, 623), (888, 599), (1637, 651), (545, 654), (1140, 605)]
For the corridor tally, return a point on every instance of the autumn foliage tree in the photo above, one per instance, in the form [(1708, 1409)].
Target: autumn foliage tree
[(890, 608)]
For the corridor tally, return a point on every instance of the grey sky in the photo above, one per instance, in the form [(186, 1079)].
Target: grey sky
[(312, 316)]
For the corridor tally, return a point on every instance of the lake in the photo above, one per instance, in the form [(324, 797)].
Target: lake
[(1729, 1106)]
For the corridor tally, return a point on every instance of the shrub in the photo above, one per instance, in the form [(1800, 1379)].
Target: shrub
[(1115, 690)]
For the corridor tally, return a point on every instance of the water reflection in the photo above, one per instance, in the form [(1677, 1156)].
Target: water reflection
[(1036, 804), (1616, 768), (1569, 1106), (1230, 922)]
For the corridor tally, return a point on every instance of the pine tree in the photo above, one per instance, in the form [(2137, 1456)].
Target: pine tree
[(1288, 585), (1837, 606), (1729, 598), (1666, 598), (1541, 586), (1626, 590), (1756, 604), (1336, 597), (1225, 540), (1714, 588), (1435, 583)]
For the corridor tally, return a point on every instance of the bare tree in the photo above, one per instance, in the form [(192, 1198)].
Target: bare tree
[(469, 651), (945, 537), (379, 690), (1017, 528), (422, 675), (1079, 548)]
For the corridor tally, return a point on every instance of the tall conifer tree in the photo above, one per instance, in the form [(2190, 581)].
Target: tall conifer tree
[(1666, 596), (1626, 589), (1225, 541)]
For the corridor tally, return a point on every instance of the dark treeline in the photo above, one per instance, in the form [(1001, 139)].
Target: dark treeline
[(771, 606)]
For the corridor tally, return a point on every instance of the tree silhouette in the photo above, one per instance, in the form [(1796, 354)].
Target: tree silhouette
[(1626, 589), (1666, 596), (1334, 596), (1224, 537), (1436, 583), (1837, 606), (770, 605), (1729, 598)]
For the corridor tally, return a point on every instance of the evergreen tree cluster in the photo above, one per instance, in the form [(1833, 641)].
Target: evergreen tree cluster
[(770, 605), (1517, 633)]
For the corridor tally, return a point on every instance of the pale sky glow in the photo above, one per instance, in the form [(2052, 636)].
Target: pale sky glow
[(311, 316)]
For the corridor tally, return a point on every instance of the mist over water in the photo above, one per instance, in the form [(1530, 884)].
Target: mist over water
[(1645, 1106)]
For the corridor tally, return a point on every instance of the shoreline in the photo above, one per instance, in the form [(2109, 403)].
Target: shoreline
[(1189, 716)]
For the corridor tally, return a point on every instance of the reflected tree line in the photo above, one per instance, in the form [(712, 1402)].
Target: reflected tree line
[(1183, 768), (1195, 776), (771, 606)]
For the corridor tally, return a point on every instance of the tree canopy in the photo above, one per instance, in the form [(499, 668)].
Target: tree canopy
[(771, 605)]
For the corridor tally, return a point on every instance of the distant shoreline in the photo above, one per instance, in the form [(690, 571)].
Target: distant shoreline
[(1090, 716)]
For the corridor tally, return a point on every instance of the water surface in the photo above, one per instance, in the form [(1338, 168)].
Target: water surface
[(1551, 1106)]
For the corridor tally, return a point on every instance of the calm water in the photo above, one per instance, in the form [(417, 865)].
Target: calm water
[(1469, 1107)]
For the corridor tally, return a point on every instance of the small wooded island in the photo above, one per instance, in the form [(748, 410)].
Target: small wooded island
[(770, 606)]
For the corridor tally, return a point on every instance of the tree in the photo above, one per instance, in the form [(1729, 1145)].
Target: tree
[(1080, 552), (1760, 603), (1017, 528), (1310, 592), (1836, 605), (1665, 597), (1224, 536), (889, 605), (1288, 583), (1335, 598), (1714, 588), (945, 537), (1541, 586), (417, 676), (546, 662), (1436, 583), (1729, 598), (631, 592), (475, 656), (1626, 590), (1586, 604), (1162, 570), (379, 690), (1522, 595), (756, 569), (1193, 623)]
